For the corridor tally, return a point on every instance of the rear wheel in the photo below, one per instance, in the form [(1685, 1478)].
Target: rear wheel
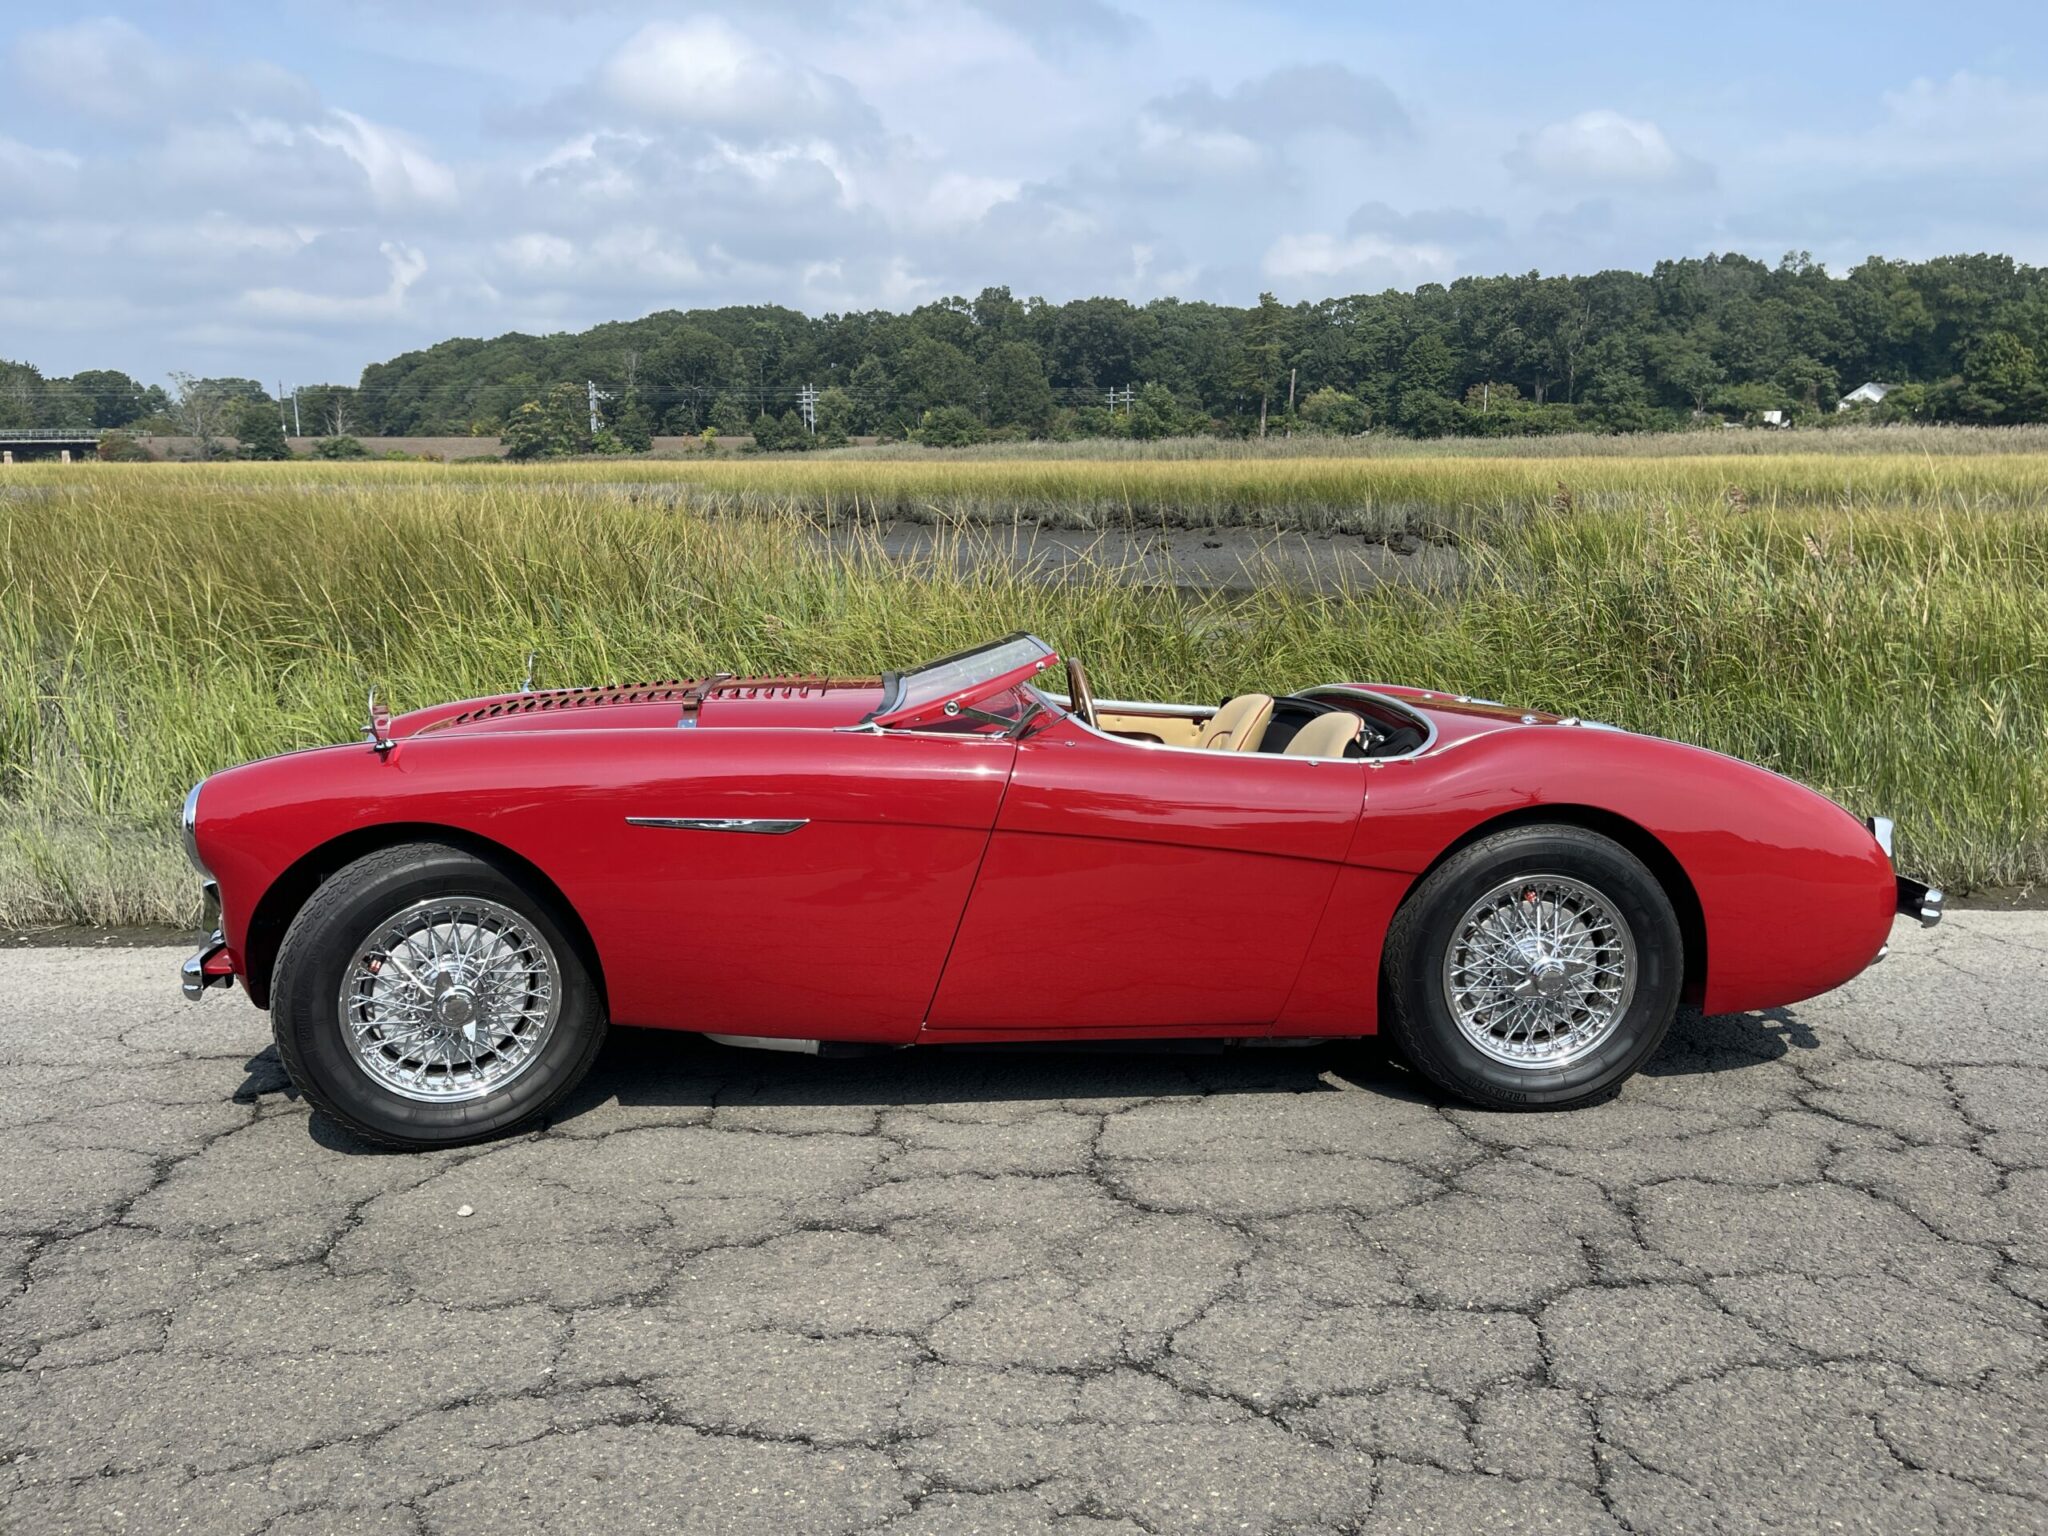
[(425, 998), (1537, 969)]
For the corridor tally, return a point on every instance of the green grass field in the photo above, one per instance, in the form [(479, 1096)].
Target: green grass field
[(1875, 624)]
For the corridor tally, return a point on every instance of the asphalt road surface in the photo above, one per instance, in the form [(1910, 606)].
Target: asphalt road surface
[(1793, 1279)]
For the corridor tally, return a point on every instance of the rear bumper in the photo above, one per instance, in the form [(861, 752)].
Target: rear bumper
[(1916, 899), (1921, 901)]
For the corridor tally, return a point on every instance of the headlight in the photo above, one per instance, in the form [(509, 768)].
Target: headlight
[(188, 823)]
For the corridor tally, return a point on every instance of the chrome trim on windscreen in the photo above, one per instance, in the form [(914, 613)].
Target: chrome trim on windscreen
[(765, 826)]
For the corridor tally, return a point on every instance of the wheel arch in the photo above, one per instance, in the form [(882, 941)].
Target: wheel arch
[(1638, 840), (289, 892)]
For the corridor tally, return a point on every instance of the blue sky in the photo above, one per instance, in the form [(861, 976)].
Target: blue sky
[(290, 191)]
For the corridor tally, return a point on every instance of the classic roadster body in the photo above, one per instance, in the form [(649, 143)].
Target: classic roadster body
[(442, 920)]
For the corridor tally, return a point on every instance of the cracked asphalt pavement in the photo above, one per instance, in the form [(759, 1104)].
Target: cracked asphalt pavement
[(1792, 1279)]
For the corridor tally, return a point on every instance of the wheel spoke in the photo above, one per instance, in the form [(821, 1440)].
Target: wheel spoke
[(450, 999)]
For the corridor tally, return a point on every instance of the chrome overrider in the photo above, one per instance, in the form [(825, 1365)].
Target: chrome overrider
[(192, 977), (1916, 899)]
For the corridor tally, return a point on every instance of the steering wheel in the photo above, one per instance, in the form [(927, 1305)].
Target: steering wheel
[(1079, 694)]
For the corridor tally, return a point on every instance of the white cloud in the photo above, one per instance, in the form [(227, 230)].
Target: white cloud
[(1967, 121), (585, 164), (399, 172), (1297, 99), (957, 197), (29, 174), (1602, 148), (707, 73), (535, 253), (1059, 27), (1359, 260), (644, 251), (106, 68), (1167, 152), (102, 67), (406, 265)]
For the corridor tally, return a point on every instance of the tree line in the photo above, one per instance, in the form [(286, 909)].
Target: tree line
[(1958, 338)]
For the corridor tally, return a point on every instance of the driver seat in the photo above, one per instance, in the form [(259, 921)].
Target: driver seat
[(1239, 726)]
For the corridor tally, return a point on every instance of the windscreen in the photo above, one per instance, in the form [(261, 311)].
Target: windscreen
[(924, 691)]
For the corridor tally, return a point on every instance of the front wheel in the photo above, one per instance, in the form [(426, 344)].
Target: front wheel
[(1536, 969), (424, 998)]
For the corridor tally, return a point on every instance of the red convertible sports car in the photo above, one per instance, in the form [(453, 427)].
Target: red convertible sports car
[(443, 920)]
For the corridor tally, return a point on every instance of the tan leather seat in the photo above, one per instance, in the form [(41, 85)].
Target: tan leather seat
[(1326, 735), (1240, 725)]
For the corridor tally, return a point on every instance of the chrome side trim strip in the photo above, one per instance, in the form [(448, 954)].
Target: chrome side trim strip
[(766, 826), (766, 1043)]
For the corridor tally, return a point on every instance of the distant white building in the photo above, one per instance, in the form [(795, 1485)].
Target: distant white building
[(1868, 394), (1776, 419)]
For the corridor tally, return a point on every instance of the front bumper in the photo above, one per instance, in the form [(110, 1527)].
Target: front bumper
[(212, 966)]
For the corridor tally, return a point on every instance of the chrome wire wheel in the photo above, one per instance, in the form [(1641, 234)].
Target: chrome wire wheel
[(449, 1000), (1540, 971)]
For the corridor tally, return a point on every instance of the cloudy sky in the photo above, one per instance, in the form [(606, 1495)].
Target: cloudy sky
[(292, 190)]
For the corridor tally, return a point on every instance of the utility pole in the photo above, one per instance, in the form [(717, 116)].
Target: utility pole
[(1290, 400), (807, 407), (596, 395), (280, 405), (295, 412), (1120, 397)]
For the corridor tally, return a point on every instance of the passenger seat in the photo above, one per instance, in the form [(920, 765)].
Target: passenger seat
[(1326, 735), (1238, 726)]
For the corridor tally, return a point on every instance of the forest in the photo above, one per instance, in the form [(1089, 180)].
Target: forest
[(1728, 338)]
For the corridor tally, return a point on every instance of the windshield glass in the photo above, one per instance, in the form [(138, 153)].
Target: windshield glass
[(921, 695)]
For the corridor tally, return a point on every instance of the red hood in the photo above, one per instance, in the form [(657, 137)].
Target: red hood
[(819, 702)]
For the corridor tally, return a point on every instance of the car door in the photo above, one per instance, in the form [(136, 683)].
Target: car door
[(795, 883), (1153, 888)]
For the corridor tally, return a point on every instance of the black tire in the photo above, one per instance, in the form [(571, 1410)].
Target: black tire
[(306, 1013), (1416, 1015)]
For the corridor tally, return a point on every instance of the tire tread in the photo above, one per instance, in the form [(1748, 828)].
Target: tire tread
[(302, 937), (1410, 1035)]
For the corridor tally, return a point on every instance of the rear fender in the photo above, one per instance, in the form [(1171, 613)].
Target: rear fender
[(1795, 896)]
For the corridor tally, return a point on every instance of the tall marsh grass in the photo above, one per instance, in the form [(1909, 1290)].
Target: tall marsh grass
[(1433, 497), (1883, 636)]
